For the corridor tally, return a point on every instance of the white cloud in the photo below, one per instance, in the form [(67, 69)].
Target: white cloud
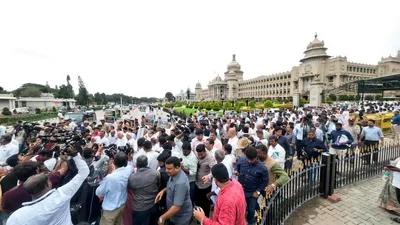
[(146, 48)]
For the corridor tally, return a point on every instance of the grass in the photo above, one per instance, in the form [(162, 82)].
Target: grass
[(192, 111), (10, 120)]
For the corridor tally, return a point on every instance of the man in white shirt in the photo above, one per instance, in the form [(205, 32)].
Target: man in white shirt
[(132, 142), (112, 139), (233, 139), (217, 143), (2, 130), (49, 206), (7, 148), (276, 151), (199, 139), (209, 143), (189, 166), (102, 139), (121, 139), (151, 155)]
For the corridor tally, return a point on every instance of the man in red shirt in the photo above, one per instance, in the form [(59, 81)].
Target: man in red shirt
[(231, 204)]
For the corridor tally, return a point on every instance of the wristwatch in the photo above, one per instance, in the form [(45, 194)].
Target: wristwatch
[(258, 193), (160, 220), (273, 185)]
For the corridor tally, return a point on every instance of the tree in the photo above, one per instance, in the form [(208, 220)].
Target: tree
[(97, 98), (104, 98), (83, 94), (31, 92), (252, 104), (333, 97), (351, 97), (268, 104), (369, 97), (188, 93), (6, 111), (343, 98), (328, 100), (378, 97), (169, 96)]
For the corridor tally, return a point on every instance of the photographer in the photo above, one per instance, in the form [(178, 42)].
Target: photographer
[(7, 148), (50, 206)]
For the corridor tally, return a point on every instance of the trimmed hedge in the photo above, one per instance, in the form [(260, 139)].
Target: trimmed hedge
[(11, 120)]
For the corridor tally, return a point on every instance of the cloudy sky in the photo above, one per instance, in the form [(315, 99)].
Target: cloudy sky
[(146, 48)]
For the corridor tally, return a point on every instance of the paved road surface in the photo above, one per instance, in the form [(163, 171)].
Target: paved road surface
[(358, 206)]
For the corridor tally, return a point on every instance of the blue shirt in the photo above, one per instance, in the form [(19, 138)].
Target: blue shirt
[(372, 133), (309, 145), (253, 177), (114, 188), (396, 120), (337, 135)]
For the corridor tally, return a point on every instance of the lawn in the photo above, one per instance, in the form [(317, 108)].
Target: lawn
[(192, 111)]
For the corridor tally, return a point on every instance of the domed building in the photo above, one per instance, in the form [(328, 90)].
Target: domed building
[(315, 66)]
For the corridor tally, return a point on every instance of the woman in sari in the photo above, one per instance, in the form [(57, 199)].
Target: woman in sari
[(387, 198)]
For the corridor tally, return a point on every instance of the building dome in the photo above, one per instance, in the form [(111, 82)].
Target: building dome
[(316, 43), (198, 85), (315, 49), (233, 64)]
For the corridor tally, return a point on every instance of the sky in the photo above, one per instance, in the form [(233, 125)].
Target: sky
[(147, 48)]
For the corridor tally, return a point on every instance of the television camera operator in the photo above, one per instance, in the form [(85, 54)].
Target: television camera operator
[(50, 206)]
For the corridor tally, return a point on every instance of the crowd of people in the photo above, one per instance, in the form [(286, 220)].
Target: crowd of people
[(209, 171)]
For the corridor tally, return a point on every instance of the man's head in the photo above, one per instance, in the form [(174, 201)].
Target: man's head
[(232, 132), (213, 135), (273, 140), (25, 170), (262, 152), (201, 151), (45, 155), (199, 134), (102, 133), (371, 123), (120, 135), (120, 160), (260, 134), (278, 131), (173, 166), (209, 143), (6, 138), (147, 145), (37, 185), (220, 174), (251, 155), (171, 140), (338, 125), (228, 149), (219, 155), (141, 162), (311, 135), (351, 121), (186, 148)]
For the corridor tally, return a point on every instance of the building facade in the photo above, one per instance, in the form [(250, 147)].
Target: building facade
[(182, 96), (333, 72), (46, 100)]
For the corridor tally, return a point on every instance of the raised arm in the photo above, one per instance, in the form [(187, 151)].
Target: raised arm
[(72, 187)]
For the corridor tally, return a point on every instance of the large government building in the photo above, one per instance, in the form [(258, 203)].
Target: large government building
[(333, 72)]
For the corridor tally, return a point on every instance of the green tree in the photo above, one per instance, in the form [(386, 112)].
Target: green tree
[(378, 97), (6, 111), (369, 97), (268, 104), (98, 98), (31, 92), (343, 97), (252, 104), (328, 100), (351, 97), (70, 89), (333, 97), (104, 98), (169, 96), (83, 94), (209, 106)]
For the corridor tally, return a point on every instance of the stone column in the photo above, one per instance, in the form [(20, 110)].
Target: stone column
[(316, 89)]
